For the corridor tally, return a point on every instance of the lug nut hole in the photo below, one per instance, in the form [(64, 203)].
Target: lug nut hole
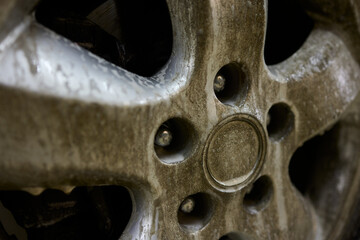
[(235, 236), (195, 211), (280, 121), (173, 140), (231, 84), (259, 196)]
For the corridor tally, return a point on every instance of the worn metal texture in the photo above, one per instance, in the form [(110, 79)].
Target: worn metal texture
[(69, 118)]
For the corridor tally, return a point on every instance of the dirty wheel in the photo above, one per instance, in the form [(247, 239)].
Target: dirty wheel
[(179, 119)]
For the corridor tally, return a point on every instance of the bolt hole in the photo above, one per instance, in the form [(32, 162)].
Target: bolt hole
[(235, 236), (280, 121), (173, 140), (194, 215), (231, 84), (259, 196)]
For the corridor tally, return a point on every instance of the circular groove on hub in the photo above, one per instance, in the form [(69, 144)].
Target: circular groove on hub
[(234, 152)]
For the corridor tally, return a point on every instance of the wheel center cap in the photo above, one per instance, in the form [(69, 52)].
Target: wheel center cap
[(234, 152)]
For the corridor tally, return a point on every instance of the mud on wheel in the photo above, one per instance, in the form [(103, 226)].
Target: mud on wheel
[(179, 119)]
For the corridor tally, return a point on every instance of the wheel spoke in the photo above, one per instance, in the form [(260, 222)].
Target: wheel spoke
[(68, 117), (214, 34), (149, 221), (238, 29), (293, 214), (43, 62), (158, 213), (319, 88), (316, 85), (343, 16)]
